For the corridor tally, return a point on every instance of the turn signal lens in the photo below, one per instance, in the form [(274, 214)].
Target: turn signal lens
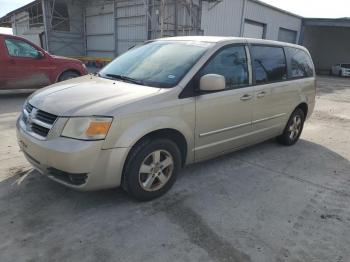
[(98, 129), (87, 128)]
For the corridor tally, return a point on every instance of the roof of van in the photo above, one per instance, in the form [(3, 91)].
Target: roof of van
[(218, 39)]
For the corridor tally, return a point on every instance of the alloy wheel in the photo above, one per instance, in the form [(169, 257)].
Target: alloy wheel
[(156, 169), (295, 127)]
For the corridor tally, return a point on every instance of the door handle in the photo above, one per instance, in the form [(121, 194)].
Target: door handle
[(261, 94), (246, 97)]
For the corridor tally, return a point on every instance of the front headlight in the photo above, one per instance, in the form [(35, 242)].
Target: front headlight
[(87, 128)]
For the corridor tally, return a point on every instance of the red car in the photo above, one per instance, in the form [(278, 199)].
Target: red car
[(23, 65)]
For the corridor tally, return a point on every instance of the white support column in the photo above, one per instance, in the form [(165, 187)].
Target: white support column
[(44, 10), (244, 9)]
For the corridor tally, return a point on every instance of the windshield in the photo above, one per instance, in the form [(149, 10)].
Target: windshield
[(159, 64), (345, 66)]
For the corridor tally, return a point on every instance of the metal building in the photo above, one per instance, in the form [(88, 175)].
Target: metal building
[(328, 41), (249, 18), (107, 28), (102, 28)]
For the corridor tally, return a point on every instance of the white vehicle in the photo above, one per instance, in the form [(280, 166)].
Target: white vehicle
[(341, 70)]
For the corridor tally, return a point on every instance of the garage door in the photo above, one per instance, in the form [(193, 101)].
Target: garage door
[(288, 36), (100, 30), (254, 30)]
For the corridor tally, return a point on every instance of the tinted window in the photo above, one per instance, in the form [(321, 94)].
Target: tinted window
[(231, 63), (300, 63), (269, 64), (345, 66), (20, 48), (159, 64)]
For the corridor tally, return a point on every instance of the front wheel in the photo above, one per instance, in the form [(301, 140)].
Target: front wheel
[(151, 169), (292, 132)]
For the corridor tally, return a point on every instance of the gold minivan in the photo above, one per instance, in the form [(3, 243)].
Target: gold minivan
[(163, 105)]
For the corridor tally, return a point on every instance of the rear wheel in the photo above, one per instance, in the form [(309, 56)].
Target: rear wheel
[(151, 169), (68, 75), (294, 128)]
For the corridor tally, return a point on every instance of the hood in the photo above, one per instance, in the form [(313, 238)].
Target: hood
[(88, 95), (63, 58)]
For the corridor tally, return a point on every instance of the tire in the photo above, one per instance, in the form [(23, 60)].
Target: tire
[(68, 75), (144, 177), (340, 73), (294, 128)]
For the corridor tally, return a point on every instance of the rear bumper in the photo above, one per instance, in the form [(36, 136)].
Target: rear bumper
[(82, 165)]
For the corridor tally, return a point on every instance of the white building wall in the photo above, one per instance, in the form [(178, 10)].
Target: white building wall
[(273, 19), (225, 18)]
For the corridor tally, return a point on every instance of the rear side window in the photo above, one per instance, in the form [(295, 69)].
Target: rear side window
[(300, 63), (269, 64)]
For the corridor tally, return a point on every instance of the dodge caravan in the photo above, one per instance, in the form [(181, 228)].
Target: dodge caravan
[(163, 105)]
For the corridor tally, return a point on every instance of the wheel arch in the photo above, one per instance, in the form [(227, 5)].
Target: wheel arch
[(166, 133), (66, 71), (304, 107)]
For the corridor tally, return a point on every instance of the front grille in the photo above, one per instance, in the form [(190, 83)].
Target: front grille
[(37, 122), (40, 130), (46, 117), (29, 108)]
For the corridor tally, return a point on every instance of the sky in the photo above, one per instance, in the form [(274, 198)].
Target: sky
[(306, 8), (314, 8), (7, 6)]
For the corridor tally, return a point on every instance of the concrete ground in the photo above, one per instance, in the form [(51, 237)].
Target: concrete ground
[(265, 203)]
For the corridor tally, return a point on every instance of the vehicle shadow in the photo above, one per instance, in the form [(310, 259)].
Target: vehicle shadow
[(29, 190), (39, 214)]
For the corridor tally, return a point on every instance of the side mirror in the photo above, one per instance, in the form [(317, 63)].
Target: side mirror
[(212, 82), (41, 55)]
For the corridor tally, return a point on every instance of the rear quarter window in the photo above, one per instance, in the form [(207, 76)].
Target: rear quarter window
[(299, 63), (269, 64)]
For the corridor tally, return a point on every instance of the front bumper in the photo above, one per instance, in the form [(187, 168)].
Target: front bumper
[(346, 72), (60, 158)]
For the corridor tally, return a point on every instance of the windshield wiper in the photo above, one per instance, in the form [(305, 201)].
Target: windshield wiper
[(126, 79)]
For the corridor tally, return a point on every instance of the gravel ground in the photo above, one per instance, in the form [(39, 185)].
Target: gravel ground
[(265, 203)]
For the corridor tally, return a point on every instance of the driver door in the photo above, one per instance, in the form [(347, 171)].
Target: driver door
[(224, 118), (25, 67)]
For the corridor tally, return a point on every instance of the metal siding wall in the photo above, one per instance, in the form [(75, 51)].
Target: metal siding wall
[(273, 19), (22, 23), (70, 43), (131, 24), (223, 19), (100, 29)]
